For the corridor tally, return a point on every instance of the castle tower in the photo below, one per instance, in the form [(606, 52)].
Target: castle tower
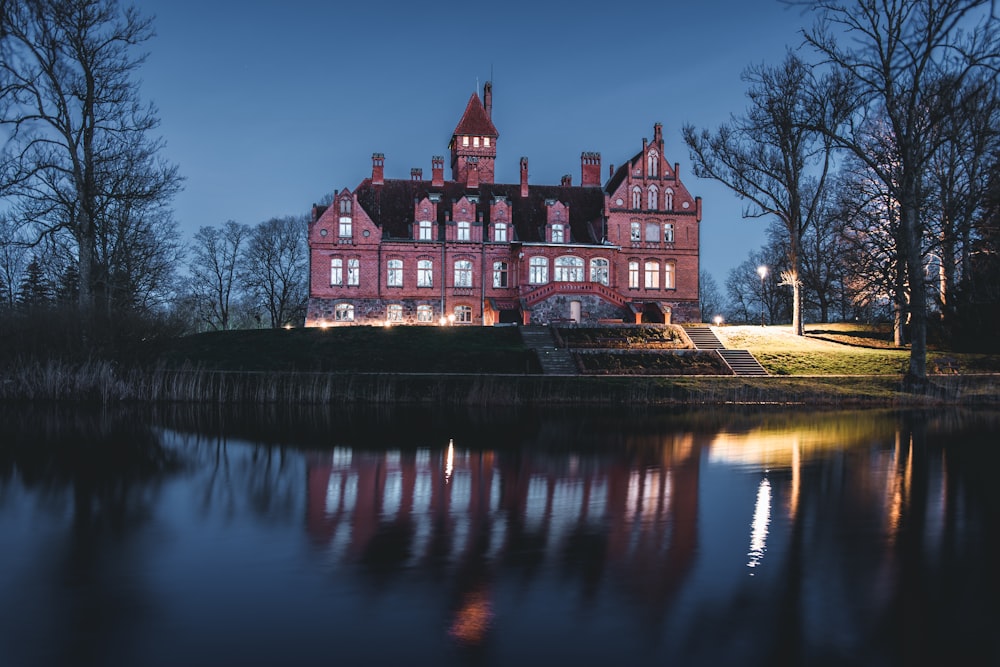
[(475, 136)]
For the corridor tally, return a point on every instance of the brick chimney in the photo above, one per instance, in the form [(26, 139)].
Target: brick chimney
[(524, 177), (416, 174), (378, 168), (567, 181), (488, 99), (437, 171), (658, 136), (590, 169)]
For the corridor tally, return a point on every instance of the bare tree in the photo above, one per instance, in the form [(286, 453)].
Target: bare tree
[(274, 267), (14, 259), (773, 158), (708, 295), (215, 256), (78, 154), (904, 62)]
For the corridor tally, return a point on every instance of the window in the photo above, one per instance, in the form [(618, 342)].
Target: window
[(343, 312), (475, 142), (634, 232), (652, 164), (345, 206), (599, 271), (500, 232), (668, 232), (465, 141), (668, 200), (353, 272), (463, 273), (394, 313), (425, 273), (395, 276), (668, 275), (425, 314), (636, 197), (652, 232), (538, 270), (426, 232), (463, 314), (652, 275), (486, 142), (633, 275), (464, 233), (651, 197), (345, 227), (557, 233), (336, 271), (569, 269), (500, 274)]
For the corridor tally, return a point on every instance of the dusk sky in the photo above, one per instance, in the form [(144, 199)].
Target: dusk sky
[(267, 107)]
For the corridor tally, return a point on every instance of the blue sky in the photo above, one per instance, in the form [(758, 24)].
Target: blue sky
[(266, 107)]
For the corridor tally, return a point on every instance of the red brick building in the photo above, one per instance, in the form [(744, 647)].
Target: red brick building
[(471, 251)]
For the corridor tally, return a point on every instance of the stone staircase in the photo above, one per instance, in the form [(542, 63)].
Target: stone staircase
[(554, 360), (740, 361)]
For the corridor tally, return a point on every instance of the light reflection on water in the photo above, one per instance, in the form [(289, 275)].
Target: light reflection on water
[(476, 539)]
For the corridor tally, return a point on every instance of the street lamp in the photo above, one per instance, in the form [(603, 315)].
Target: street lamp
[(762, 272)]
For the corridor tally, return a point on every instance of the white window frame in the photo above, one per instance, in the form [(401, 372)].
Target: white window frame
[(343, 312), (500, 275), (633, 275), (463, 273), (651, 274), (668, 232), (394, 312), (336, 271), (568, 269), (425, 313), (425, 273), (538, 270), (425, 230), (464, 231), (500, 232), (394, 273), (463, 314), (599, 270), (345, 229), (635, 232), (353, 272), (558, 233)]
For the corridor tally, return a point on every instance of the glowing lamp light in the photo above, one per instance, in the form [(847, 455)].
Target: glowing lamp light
[(443, 321), (718, 320), (451, 319)]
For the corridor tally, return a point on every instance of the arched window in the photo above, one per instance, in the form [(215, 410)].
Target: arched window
[(394, 312), (668, 275), (668, 199), (426, 232), (463, 314), (463, 273), (343, 312), (336, 271), (425, 273), (599, 271), (652, 271), (538, 270), (652, 197), (345, 206), (500, 232), (636, 197), (394, 277), (653, 164), (569, 269), (425, 313)]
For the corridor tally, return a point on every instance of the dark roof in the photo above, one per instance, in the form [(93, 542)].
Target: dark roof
[(475, 120), (620, 173), (391, 206)]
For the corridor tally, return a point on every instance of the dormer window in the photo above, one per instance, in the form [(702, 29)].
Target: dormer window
[(425, 230), (557, 233), (464, 231), (500, 232)]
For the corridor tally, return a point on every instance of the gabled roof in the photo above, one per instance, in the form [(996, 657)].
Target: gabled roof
[(475, 120), (621, 173), (391, 206)]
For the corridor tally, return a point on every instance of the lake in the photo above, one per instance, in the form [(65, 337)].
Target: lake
[(186, 536)]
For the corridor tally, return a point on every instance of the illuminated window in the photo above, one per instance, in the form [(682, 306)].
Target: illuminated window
[(599, 271), (538, 270), (395, 274), (633, 275), (475, 142), (668, 275), (668, 232), (635, 232), (500, 232), (652, 275), (500, 274), (486, 142), (636, 197), (426, 230), (353, 272), (394, 313), (652, 232), (463, 273), (425, 273), (465, 141), (652, 196), (569, 269), (463, 314), (464, 233), (425, 314), (343, 312), (557, 233), (344, 229), (336, 271)]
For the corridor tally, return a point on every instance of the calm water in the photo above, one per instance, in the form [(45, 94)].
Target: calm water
[(579, 538)]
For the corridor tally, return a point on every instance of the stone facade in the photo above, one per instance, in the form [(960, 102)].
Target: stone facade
[(472, 251)]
